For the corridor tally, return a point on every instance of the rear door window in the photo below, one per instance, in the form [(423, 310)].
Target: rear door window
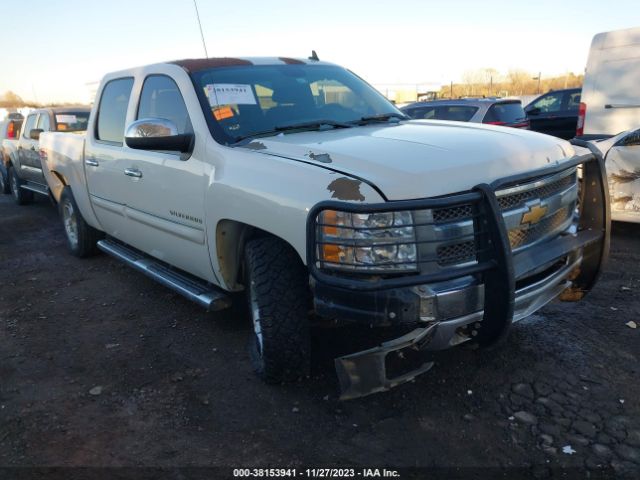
[(549, 103), (29, 125), (500, 113), (422, 113), (43, 122), (112, 111), (573, 101), (456, 113)]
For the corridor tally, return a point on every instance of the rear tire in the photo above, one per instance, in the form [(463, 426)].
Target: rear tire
[(20, 195), (277, 286), (5, 186), (81, 237)]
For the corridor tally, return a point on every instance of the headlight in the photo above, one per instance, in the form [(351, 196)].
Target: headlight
[(371, 242)]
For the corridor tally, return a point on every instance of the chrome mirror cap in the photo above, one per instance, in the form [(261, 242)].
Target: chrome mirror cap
[(151, 127), (158, 134)]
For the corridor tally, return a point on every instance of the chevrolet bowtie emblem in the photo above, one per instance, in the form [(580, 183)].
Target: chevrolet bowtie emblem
[(534, 215)]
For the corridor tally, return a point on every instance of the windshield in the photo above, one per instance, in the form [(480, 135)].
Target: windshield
[(262, 99), (72, 121)]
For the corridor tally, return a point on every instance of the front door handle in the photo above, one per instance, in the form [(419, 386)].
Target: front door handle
[(32, 147), (133, 172), (92, 162)]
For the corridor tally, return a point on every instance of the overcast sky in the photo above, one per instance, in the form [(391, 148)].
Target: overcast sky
[(59, 47)]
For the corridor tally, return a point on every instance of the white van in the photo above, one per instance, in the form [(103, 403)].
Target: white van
[(611, 91)]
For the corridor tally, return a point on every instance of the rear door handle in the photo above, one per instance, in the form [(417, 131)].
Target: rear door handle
[(92, 162), (133, 172)]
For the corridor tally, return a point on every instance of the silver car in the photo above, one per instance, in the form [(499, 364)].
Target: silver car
[(493, 111)]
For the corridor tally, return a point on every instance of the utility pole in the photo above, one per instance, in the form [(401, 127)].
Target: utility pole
[(538, 79), (490, 84), (451, 90)]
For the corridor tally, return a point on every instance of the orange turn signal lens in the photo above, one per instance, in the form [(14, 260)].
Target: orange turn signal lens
[(331, 253), (330, 221)]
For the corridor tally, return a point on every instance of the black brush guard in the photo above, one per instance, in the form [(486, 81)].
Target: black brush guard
[(365, 372)]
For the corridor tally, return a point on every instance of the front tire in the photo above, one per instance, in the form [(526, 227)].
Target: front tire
[(277, 286), (81, 237), (20, 195)]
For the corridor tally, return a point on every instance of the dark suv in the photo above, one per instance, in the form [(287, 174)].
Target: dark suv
[(493, 111), (555, 113)]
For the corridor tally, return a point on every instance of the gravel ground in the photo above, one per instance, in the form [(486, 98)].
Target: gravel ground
[(99, 366)]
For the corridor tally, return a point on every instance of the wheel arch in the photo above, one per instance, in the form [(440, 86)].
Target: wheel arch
[(231, 238)]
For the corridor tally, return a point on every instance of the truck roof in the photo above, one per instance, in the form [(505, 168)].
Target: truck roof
[(54, 110), (197, 64)]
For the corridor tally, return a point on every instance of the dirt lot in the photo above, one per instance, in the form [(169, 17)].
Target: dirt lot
[(176, 388)]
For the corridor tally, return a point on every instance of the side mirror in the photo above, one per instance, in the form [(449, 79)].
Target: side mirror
[(533, 111), (34, 134), (157, 134)]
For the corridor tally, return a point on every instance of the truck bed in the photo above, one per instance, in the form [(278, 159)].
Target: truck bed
[(62, 161)]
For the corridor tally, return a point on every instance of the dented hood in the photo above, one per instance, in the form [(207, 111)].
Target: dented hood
[(418, 159)]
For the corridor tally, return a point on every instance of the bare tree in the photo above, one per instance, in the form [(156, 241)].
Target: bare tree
[(518, 81), (10, 99)]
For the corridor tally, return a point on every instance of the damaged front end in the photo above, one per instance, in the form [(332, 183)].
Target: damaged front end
[(455, 268)]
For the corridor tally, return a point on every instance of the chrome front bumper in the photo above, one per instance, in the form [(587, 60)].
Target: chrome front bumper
[(455, 330)]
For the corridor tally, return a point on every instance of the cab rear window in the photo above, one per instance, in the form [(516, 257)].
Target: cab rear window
[(71, 121), (500, 113)]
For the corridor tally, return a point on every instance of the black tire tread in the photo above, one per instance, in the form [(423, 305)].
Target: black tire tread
[(88, 236), (23, 196), (282, 292)]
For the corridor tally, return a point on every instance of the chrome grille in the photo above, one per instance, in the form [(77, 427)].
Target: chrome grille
[(554, 192), (517, 199), (456, 253), (519, 237), (451, 214)]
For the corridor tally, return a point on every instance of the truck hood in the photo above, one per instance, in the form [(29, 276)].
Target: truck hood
[(418, 159)]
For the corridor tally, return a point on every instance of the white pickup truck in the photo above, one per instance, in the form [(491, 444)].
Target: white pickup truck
[(297, 182)]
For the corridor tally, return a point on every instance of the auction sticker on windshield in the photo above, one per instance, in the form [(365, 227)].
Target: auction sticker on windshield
[(61, 118), (230, 94)]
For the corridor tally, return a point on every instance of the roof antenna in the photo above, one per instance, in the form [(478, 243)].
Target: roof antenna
[(195, 4), (314, 55)]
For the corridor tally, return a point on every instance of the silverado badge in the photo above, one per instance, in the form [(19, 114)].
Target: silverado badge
[(534, 215)]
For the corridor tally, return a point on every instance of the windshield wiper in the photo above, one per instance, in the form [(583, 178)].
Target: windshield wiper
[(313, 125), (382, 117)]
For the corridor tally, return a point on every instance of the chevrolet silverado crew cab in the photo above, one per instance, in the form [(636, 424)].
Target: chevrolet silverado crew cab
[(298, 183), (22, 164)]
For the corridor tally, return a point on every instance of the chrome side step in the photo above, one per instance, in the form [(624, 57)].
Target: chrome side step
[(34, 187), (207, 295)]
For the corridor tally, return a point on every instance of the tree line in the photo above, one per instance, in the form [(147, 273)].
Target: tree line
[(490, 82), (12, 100)]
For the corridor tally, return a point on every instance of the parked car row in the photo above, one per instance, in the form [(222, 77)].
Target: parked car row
[(9, 131), (554, 113), (21, 170), (492, 111)]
